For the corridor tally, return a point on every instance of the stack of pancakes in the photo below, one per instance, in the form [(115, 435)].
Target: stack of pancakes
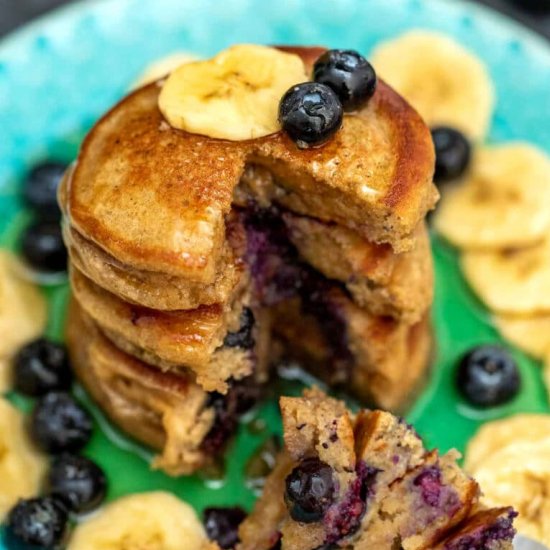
[(192, 257)]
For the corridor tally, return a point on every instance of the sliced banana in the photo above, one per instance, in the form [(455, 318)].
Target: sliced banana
[(22, 314), (144, 521), (22, 467), (531, 334), (496, 435), (444, 82), (518, 475), (163, 67), (513, 282), (234, 95), (502, 203)]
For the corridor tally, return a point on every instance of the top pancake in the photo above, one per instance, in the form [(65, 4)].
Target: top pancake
[(156, 198)]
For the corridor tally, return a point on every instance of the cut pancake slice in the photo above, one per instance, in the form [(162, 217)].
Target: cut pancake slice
[(487, 529), (385, 283), (376, 486), (180, 341), (168, 412), (380, 360)]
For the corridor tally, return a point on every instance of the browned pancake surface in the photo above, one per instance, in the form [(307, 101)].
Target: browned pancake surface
[(156, 198)]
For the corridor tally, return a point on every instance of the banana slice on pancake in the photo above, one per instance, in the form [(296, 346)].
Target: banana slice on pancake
[(152, 521), (447, 84), (22, 467), (163, 67), (23, 314), (514, 469), (530, 334), (502, 203), (235, 95), (511, 281)]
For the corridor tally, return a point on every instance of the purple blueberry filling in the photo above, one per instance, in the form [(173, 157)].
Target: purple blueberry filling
[(279, 274), (344, 518), (241, 397), (434, 493), (501, 530)]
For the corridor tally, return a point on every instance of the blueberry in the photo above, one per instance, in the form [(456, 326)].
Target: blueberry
[(78, 482), (452, 153), (41, 367), (38, 523), (43, 248), (488, 376), (310, 113), (309, 490), (59, 424), (349, 74), (40, 189), (243, 338), (222, 525)]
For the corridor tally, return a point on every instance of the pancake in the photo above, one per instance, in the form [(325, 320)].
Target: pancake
[(381, 361), (178, 341), (148, 288), (157, 198), (167, 412), (385, 283)]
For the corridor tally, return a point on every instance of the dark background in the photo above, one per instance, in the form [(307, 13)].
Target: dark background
[(534, 13)]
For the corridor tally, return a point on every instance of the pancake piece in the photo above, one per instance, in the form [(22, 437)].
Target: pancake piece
[(156, 198), (380, 360), (385, 283), (376, 486), (149, 288), (167, 412), (185, 340)]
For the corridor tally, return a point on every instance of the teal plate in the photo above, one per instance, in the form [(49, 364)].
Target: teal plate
[(60, 73)]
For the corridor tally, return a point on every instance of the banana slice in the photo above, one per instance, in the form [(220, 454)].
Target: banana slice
[(531, 334), (444, 82), (519, 475), (514, 282), (22, 314), (496, 435), (145, 521), (163, 67), (234, 95), (22, 468), (503, 202)]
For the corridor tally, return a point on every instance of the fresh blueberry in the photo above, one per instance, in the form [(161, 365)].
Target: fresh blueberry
[(309, 490), (222, 525), (243, 338), (42, 247), (78, 482), (59, 424), (38, 523), (452, 153), (310, 113), (40, 189), (488, 376), (41, 367), (349, 74)]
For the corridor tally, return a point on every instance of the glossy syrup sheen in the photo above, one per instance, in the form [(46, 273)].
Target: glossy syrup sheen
[(89, 54)]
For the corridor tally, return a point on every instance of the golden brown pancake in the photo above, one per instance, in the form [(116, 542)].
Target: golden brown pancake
[(180, 341), (156, 198), (379, 359), (166, 411), (162, 410)]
